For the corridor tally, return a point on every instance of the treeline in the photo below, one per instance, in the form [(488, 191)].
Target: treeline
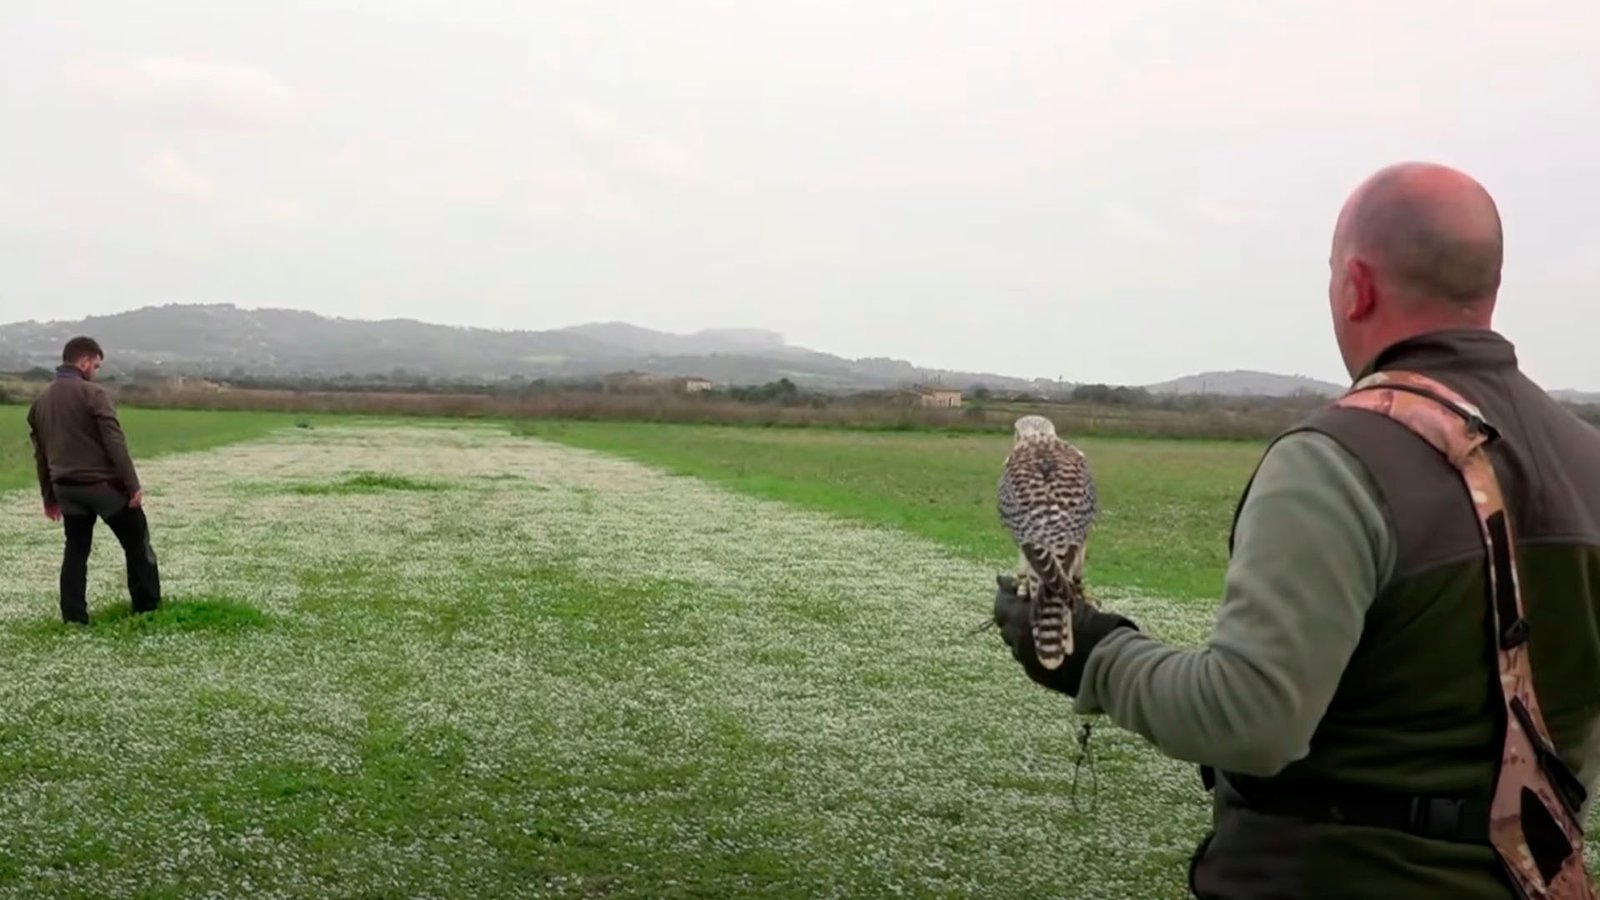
[(1085, 410), (782, 391), (787, 410), (1143, 398), (1242, 419)]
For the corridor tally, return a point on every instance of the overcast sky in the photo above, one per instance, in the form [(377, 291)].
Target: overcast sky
[(1102, 192)]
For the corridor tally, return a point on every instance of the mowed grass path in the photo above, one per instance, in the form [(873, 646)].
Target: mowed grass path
[(150, 432), (451, 662), (1166, 506)]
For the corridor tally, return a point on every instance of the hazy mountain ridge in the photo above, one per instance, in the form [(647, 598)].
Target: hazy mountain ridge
[(223, 340), (1247, 382), (645, 340)]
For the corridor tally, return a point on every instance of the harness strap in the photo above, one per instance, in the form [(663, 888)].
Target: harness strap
[(1533, 820), (1455, 819)]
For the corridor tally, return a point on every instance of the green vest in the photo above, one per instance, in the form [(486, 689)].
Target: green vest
[(1416, 710)]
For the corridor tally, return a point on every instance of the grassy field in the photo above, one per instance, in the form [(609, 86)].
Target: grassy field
[(454, 662), (1165, 505), (444, 660), (150, 432)]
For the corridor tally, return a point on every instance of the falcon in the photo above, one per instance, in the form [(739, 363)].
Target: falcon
[(1047, 501)]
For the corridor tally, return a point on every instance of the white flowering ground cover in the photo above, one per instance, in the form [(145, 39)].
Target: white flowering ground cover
[(450, 662)]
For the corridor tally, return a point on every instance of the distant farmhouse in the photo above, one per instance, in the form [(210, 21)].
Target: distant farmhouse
[(937, 396), (921, 395), (651, 383)]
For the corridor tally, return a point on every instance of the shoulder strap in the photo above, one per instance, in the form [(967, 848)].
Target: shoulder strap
[(1534, 820)]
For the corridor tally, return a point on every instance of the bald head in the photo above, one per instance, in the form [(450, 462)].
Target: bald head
[(1429, 232)]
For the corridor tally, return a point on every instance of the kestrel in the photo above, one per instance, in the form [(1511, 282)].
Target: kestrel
[(1048, 503)]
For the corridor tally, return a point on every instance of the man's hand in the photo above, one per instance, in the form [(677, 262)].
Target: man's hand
[(137, 500), (52, 511), (1089, 627)]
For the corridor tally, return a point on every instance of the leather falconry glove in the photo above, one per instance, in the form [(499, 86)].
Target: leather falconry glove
[(1089, 627)]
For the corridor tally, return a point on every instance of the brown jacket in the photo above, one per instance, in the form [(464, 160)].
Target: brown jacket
[(76, 436)]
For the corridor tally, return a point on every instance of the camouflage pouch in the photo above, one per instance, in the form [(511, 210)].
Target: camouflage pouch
[(1535, 825)]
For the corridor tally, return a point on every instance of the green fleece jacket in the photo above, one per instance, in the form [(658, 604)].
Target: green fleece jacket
[(1312, 547)]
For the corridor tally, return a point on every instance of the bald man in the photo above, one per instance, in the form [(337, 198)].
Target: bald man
[(1346, 709)]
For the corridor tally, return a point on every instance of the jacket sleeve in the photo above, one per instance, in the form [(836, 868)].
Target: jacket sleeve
[(1312, 548), (112, 438), (41, 458)]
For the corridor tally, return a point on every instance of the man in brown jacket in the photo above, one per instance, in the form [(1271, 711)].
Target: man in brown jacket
[(85, 473)]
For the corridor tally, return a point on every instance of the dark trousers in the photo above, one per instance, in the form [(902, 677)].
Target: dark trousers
[(81, 507)]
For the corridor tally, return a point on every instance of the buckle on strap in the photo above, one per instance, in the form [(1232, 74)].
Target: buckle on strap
[(1431, 815), (1449, 819)]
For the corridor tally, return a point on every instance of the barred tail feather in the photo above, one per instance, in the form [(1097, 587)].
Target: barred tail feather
[(1052, 637), (1060, 577), (1060, 586)]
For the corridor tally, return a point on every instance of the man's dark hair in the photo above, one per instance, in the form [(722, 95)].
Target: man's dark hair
[(81, 348)]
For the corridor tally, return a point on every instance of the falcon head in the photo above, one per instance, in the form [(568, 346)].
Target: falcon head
[(1033, 428)]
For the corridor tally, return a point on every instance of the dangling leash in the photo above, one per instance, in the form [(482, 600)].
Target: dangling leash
[(1084, 757)]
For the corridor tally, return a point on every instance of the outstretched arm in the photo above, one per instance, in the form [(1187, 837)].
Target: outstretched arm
[(1312, 548)]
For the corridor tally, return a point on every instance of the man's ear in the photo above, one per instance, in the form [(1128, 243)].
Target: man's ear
[(1363, 290)]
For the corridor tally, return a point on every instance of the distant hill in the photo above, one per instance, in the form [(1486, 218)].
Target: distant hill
[(644, 340), (1244, 382), (224, 340)]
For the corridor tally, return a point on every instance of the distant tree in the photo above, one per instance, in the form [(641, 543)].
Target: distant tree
[(1092, 393), (1107, 395), (783, 392), (1130, 396)]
